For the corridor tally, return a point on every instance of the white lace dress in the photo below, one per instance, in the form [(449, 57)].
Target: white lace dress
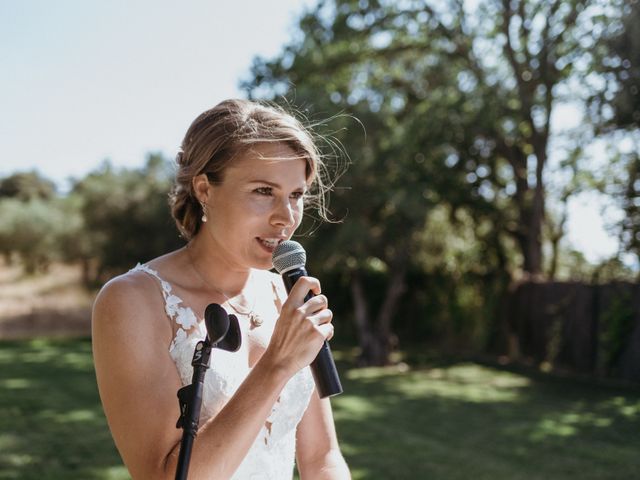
[(273, 452)]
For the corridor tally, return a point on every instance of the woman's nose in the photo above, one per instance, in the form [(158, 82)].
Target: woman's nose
[(284, 215)]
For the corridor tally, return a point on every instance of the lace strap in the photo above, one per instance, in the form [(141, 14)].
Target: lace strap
[(166, 286), (183, 316)]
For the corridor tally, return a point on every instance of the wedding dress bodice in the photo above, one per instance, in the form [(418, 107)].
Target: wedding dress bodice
[(272, 454)]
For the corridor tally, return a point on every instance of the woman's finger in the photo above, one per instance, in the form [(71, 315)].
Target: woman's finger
[(322, 317), (326, 330), (302, 287), (315, 304)]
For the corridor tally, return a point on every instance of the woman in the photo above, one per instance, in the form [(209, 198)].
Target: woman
[(243, 175)]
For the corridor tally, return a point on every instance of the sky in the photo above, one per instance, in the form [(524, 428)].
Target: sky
[(87, 80), (84, 81)]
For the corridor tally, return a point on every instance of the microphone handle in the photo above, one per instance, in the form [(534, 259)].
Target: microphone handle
[(323, 367)]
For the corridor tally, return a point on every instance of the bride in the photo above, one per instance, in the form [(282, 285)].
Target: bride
[(244, 175)]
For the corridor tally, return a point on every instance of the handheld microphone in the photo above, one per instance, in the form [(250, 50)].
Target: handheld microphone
[(289, 259)]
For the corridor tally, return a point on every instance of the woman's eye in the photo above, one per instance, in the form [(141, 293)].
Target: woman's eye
[(264, 191), (297, 195)]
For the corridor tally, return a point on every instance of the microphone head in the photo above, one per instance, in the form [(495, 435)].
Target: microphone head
[(217, 322), (233, 339), (288, 255)]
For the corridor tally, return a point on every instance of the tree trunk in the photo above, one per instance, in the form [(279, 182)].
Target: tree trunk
[(386, 339), (361, 316), (556, 235), (377, 340), (538, 210), (533, 249)]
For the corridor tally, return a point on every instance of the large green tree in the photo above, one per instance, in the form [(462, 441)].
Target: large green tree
[(615, 106), (456, 101)]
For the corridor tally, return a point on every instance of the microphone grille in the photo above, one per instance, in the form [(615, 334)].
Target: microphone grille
[(288, 255)]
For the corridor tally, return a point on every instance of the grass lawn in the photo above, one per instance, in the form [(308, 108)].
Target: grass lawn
[(453, 420)]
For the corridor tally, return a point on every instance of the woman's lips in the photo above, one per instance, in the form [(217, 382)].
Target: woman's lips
[(268, 244)]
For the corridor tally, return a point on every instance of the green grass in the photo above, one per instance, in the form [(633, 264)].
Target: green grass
[(51, 420), (453, 420), (466, 421)]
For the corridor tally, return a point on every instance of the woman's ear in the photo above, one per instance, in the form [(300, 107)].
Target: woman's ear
[(201, 186)]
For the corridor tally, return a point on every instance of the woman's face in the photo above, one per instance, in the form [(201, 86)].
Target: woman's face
[(258, 204)]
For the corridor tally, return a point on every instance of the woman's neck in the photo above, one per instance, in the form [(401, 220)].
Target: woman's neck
[(214, 269)]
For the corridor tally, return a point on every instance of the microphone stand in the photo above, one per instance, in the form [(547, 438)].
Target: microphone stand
[(223, 332), (190, 398)]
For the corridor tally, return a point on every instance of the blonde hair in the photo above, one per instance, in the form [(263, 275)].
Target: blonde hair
[(230, 128)]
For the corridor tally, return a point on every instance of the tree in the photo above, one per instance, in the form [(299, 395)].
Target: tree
[(625, 47), (27, 186), (620, 64), (629, 198), (32, 230), (616, 106), (457, 106), (33, 220), (125, 216)]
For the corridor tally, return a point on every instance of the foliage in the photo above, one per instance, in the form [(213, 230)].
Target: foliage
[(617, 324), (125, 216), (622, 187), (456, 101), (626, 46), (27, 186), (34, 230), (616, 106), (32, 220), (617, 100), (630, 224), (109, 221)]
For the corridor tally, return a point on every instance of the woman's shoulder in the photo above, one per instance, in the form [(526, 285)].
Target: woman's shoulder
[(140, 280), (130, 299), (129, 310), (122, 293), (139, 291)]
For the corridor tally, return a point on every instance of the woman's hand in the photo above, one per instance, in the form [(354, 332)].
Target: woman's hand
[(301, 328)]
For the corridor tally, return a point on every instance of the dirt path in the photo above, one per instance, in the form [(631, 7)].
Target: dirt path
[(51, 304)]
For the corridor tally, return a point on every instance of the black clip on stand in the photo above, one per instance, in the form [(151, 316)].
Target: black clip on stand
[(223, 332)]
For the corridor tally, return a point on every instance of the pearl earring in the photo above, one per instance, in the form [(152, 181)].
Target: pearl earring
[(204, 212)]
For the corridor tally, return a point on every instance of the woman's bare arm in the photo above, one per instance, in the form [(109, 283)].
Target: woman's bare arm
[(318, 453)]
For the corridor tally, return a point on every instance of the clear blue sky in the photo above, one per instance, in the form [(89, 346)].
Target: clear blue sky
[(87, 80), (83, 81)]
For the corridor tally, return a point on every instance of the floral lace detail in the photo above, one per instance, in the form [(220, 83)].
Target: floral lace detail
[(272, 454), (183, 316)]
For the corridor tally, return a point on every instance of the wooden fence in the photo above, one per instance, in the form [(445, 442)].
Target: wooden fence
[(591, 329)]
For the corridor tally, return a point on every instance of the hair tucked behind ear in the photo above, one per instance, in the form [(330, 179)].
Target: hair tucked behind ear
[(184, 206), (227, 130)]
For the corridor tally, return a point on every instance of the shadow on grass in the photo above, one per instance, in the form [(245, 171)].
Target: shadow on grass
[(52, 424), (461, 420), (447, 420)]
